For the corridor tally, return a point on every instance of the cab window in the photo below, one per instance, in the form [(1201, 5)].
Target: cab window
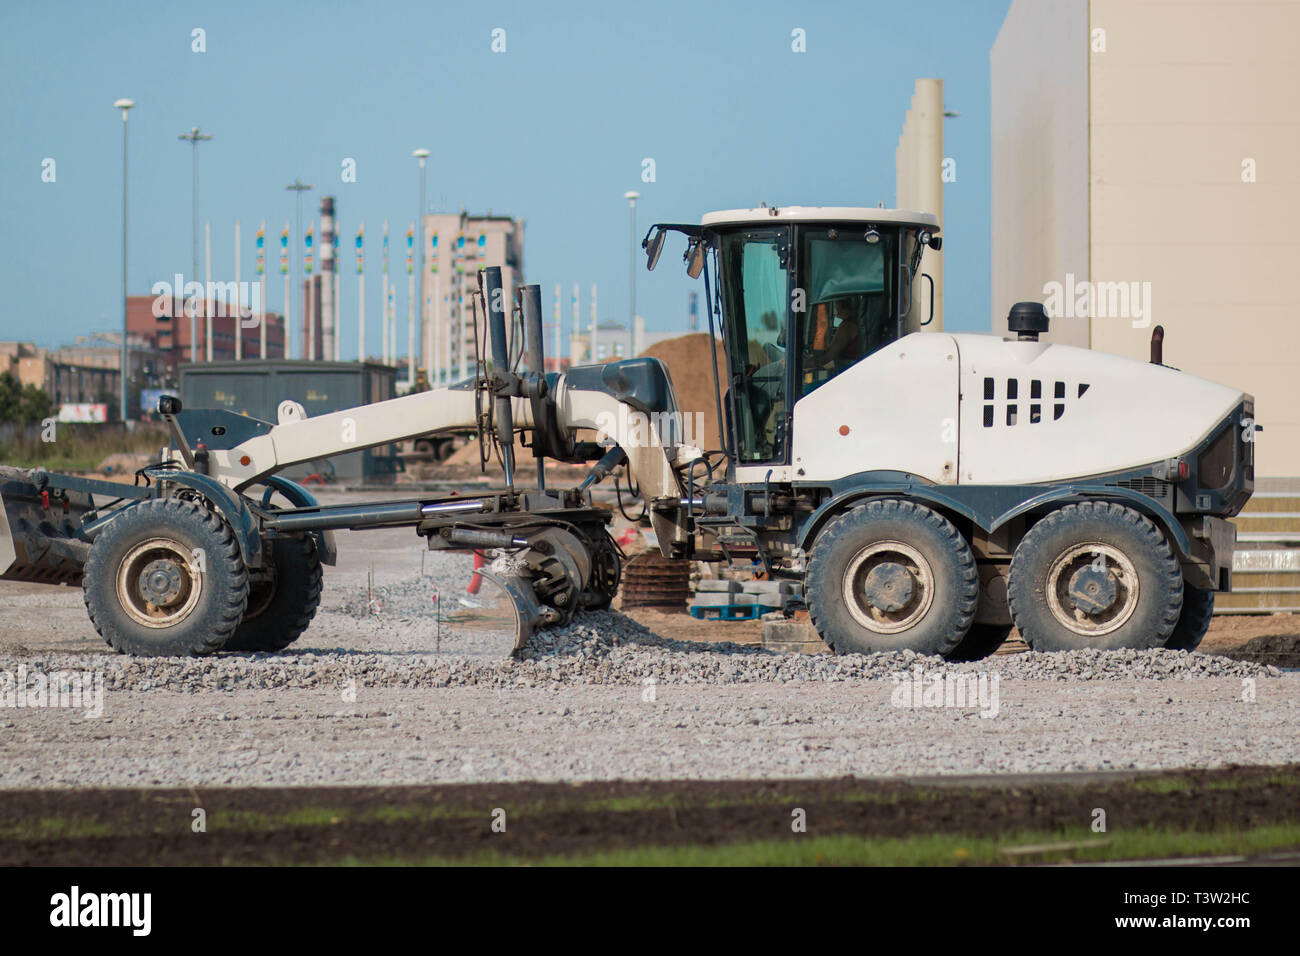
[(850, 308)]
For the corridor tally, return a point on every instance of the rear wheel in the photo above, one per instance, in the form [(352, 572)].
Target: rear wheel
[(1095, 574), (1193, 620), (891, 575), (281, 604), (165, 578)]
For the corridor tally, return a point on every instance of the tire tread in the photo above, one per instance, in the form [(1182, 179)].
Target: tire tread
[(880, 509), (1169, 575)]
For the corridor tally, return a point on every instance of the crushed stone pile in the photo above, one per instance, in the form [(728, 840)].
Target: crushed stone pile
[(607, 647)]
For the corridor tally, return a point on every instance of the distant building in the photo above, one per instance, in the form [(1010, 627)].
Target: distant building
[(88, 369), (169, 331), (611, 342), (458, 245), (87, 372), (25, 362)]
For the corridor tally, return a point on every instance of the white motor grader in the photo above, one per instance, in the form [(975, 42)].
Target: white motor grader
[(929, 489)]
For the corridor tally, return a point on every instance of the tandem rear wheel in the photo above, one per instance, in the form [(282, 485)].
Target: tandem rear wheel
[(1098, 574), (892, 575)]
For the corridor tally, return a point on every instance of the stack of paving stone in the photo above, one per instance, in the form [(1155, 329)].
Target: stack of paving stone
[(734, 601)]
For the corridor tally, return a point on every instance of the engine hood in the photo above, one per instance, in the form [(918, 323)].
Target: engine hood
[(1034, 411)]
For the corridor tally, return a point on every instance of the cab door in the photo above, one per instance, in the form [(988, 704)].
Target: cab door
[(755, 267)]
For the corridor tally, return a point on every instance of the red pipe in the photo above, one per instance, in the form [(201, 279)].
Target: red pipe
[(476, 580)]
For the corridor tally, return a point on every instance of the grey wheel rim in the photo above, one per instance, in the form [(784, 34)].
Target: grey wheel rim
[(888, 587), (1092, 589)]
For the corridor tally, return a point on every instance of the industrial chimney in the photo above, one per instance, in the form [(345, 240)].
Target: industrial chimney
[(327, 265)]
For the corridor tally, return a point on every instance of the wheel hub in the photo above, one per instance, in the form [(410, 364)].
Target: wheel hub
[(1092, 589), (888, 587), (160, 582)]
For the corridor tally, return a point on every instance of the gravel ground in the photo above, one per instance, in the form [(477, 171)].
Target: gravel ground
[(371, 695)]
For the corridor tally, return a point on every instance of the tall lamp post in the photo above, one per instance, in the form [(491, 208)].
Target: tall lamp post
[(421, 155), (632, 197), (298, 187), (194, 137), (124, 106)]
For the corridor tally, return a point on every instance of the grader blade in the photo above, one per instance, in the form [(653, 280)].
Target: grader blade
[(529, 613), (39, 531)]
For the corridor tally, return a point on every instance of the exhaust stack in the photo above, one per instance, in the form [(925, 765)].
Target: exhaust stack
[(535, 343), (501, 381)]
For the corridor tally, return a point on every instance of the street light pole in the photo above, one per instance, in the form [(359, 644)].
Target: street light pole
[(299, 187), (421, 155), (124, 106), (194, 137), (631, 198)]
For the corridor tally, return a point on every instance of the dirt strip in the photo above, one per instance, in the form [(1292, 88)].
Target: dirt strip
[(329, 824)]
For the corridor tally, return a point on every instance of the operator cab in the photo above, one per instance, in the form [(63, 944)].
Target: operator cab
[(836, 283)]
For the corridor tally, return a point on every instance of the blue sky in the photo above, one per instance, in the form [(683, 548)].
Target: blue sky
[(554, 130)]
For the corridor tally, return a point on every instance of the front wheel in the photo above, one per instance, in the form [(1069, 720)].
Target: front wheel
[(165, 578), (283, 601), (891, 575), (1095, 574)]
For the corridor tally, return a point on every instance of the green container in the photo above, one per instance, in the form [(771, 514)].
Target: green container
[(256, 388)]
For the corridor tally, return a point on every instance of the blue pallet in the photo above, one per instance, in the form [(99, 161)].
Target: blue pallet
[(727, 612)]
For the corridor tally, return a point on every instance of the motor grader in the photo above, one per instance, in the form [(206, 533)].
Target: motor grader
[(930, 490)]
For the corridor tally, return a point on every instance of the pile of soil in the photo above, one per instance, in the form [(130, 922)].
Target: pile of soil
[(689, 363), (1280, 650)]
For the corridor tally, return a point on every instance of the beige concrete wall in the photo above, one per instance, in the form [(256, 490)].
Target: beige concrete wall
[(1183, 95), (918, 184), (1038, 72)]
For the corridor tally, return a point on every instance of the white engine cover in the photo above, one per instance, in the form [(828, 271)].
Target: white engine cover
[(1113, 412), (896, 410), (1089, 413)]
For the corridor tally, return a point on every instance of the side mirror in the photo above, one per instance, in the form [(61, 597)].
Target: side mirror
[(695, 258), (653, 247)]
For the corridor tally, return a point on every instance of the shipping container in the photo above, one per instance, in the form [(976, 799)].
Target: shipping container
[(256, 388)]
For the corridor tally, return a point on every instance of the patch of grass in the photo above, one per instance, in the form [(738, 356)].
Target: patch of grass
[(922, 850), (78, 447), (310, 816), (55, 828), (1181, 784)]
